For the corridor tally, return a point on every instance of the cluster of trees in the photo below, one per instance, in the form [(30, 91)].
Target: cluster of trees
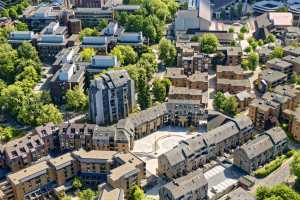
[(88, 32), (251, 62), (15, 10), (227, 105), (76, 99), (161, 89), (87, 54), (150, 18), (167, 52), (277, 52), (136, 193), (277, 192), (20, 70), (8, 133), (208, 42), (270, 167)]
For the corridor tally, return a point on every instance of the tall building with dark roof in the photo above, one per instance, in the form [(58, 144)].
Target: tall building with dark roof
[(111, 97)]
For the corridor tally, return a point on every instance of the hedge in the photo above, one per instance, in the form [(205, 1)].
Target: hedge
[(270, 167)]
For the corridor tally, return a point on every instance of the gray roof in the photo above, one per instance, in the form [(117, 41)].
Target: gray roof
[(239, 194), (276, 134), (186, 184), (257, 146), (272, 76)]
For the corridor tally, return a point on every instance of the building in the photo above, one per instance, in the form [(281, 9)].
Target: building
[(93, 167), (90, 17), (238, 194), (70, 75), (38, 17), (18, 37), (52, 40), (232, 79), (100, 63), (293, 122), (24, 151), (281, 66), (193, 186), (233, 55), (131, 39), (269, 79), (243, 98), (111, 97), (100, 43), (295, 61), (194, 152), (264, 114), (90, 3), (261, 150), (267, 6)]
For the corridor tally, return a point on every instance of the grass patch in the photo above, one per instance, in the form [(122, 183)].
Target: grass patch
[(270, 167)]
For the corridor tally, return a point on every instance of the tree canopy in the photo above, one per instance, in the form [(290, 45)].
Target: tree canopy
[(277, 192), (76, 99), (125, 54), (209, 43), (167, 52)]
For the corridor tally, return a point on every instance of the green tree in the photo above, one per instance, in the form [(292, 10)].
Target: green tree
[(6, 133), (49, 113), (270, 39), (230, 106), (76, 99), (167, 52), (136, 193), (102, 24), (167, 83), (21, 26), (77, 183), (125, 54), (244, 29), (87, 194), (4, 13), (219, 99), (88, 32), (159, 91), (295, 166), (87, 54), (277, 52), (12, 13), (27, 51), (295, 79), (144, 96), (279, 191), (231, 30), (209, 43), (253, 60), (28, 73), (66, 198)]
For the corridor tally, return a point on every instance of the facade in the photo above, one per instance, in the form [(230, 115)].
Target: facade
[(93, 167), (90, 16), (293, 122), (189, 154), (193, 186), (232, 79), (261, 150), (90, 3), (111, 97)]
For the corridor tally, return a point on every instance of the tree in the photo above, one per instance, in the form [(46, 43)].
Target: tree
[(219, 99), (277, 52), (245, 64), (248, 49), (167, 52), (77, 183), (241, 36), (87, 194), (136, 193), (27, 51), (209, 43), (102, 24), (87, 54), (253, 60), (88, 32), (76, 99), (49, 113), (66, 198), (21, 26), (149, 63), (4, 13), (231, 30), (230, 106), (244, 29), (159, 91), (167, 83), (125, 54), (295, 166), (6, 133), (270, 39), (28, 73), (278, 192), (12, 13), (144, 97), (295, 79)]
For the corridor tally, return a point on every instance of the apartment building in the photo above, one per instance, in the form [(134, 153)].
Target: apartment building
[(90, 3), (193, 186), (264, 114), (53, 38), (192, 153), (94, 167), (24, 151), (243, 98), (233, 55), (281, 66), (261, 150), (198, 80), (18, 37), (232, 79), (111, 97), (70, 75), (269, 79), (294, 60), (293, 118), (90, 17), (49, 135)]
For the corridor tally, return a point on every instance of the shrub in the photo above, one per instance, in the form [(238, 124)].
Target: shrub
[(270, 167)]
